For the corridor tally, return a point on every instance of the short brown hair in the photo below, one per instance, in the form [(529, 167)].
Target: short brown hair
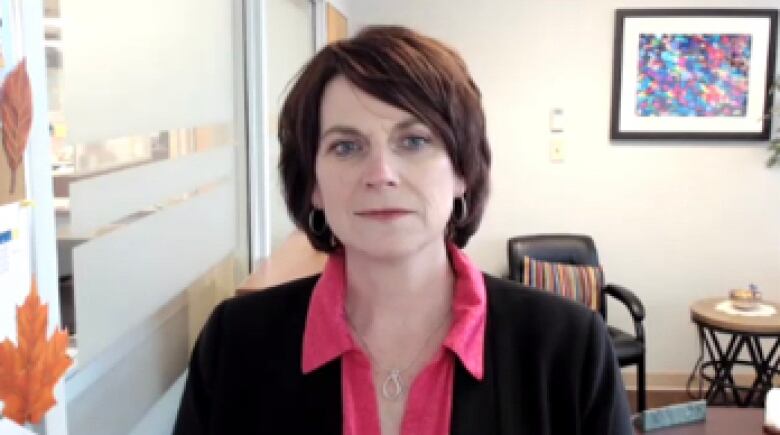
[(407, 70)]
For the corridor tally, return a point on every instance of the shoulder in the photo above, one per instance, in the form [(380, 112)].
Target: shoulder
[(533, 327), (540, 323), (293, 295), (510, 300), (550, 348), (274, 313), (251, 330)]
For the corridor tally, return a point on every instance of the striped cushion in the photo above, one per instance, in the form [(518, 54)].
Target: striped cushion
[(580, 283)]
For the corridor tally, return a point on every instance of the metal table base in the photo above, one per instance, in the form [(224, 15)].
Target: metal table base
[(723, 390)]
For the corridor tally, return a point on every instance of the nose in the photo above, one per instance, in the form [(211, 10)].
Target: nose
[(380, 169)]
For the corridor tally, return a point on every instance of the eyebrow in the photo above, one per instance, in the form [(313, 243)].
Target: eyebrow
[(406, 123)]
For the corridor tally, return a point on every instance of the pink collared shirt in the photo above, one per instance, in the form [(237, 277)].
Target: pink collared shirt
[(327, 337)]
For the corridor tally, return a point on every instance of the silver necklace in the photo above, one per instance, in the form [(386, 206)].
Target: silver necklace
[(393, 385)]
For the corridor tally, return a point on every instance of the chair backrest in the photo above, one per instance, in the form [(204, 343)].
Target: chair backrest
[(574, 249)]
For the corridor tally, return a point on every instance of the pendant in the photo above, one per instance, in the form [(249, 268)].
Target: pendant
[(392, 388)]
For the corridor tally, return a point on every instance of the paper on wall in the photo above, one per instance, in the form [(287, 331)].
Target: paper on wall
[(8, 427), (15, 264)]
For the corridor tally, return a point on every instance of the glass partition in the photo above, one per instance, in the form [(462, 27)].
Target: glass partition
[(149, 174)]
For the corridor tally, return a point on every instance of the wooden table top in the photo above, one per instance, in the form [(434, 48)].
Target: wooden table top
[(703, 311), (721, 421)]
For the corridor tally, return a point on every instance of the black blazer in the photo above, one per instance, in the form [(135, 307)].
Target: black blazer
[(549, 369)]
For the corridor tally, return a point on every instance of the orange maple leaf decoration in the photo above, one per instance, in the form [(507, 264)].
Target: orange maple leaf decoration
[(29, 371), (16, 114)]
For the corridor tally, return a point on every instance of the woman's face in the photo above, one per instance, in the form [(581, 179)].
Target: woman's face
[(384, 181)]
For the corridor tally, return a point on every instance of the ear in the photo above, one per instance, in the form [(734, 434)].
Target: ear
[(316, 197)]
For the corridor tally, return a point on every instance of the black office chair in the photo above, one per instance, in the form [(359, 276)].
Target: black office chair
[(577, 249)]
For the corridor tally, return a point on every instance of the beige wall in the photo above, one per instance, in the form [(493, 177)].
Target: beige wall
[(675, 221)]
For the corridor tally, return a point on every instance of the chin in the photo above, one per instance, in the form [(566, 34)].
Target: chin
[(390, 248)]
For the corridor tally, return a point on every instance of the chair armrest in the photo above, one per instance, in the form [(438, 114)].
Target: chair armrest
[(628, 298)]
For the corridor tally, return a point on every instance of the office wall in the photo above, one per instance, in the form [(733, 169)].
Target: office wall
[(675, 221)]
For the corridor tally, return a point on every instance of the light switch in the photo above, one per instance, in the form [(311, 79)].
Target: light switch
[(556, 120), (557, 149)]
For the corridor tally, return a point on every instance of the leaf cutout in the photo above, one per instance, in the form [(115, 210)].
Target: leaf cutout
[(30, 370), (16, 115), (11, 381)]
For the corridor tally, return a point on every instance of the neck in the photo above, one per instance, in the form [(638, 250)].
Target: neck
[(401, 293)]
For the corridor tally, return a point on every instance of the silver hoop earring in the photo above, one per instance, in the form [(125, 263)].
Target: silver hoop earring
[(315, 231), (464, 210)]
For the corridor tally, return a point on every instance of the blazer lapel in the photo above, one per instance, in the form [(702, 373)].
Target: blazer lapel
[(322, 411), (474, 408)]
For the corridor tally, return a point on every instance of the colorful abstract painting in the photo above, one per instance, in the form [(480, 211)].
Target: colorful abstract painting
[(700, 75), (693, 74)]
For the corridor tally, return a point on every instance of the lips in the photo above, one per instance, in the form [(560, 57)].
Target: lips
[(384, 214)]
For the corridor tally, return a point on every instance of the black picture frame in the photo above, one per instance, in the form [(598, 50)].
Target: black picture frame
[(696, 74)]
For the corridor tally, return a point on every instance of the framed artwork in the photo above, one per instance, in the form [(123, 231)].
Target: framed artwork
[(693, 73)]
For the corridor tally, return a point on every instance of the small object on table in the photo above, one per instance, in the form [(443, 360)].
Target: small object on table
[(672, 415), (772, 412), (745, 299)]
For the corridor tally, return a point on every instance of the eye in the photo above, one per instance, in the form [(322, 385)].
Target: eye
[(415, 142), (344, 148)]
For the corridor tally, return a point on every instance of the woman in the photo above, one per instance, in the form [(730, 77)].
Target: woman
[(385, 166)]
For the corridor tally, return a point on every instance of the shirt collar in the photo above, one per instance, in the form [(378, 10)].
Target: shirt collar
[(469, 310), (327, 335)]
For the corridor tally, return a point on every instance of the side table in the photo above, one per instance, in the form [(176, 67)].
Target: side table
[(725, 336)]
